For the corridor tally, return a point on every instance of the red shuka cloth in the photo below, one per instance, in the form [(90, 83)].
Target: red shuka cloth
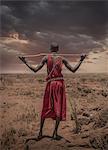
[(55, 92)]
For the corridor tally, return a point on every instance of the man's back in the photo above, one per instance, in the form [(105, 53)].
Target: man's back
[(54, 66)]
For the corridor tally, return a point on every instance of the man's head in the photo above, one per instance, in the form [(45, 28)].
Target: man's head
[(54, 47)]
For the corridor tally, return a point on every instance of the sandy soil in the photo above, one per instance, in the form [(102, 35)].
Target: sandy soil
[(21, 98)]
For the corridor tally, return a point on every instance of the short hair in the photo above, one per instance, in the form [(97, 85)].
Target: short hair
[(54, 47)]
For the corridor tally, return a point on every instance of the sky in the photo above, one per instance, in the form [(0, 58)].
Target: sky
[(77, 26)]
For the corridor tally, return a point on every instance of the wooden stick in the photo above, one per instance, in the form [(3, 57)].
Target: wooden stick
[(78, 128), (43, 54), (74, 115)]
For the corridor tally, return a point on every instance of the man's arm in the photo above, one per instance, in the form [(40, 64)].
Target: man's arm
[(38, 67), (73, 69)]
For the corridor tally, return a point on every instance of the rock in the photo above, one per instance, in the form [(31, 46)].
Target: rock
[(85, 136), (99, 142), (104, 93), (101, 119), (96, 109), (22, 132), (84, 120), (86, 114)]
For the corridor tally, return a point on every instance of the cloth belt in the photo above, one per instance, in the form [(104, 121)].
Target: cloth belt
[(54, 79)]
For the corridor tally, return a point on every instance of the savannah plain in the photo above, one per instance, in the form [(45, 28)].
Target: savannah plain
[(21, 97)]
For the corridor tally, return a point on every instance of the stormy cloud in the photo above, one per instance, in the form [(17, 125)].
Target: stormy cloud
[(77, 26), (67, 17)]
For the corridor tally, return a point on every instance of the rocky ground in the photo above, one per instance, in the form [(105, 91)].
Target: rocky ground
[(21, 102)]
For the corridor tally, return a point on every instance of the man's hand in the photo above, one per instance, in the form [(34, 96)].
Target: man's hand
[(83, 57), (22, 59)]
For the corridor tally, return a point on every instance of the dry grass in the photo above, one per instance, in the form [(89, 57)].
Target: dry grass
[(21, 103)]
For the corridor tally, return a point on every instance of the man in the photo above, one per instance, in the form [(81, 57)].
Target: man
[(54, 102)]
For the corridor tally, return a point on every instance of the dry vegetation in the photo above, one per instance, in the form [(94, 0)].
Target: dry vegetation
[(21, 102)]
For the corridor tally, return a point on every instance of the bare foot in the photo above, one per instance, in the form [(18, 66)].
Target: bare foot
[(56, 137), (40, 136)]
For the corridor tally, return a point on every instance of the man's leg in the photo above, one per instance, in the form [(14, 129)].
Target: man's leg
[(41, 127), (55, 134)]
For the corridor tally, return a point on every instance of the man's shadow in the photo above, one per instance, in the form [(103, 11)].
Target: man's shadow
[(34, 138), (44, 136)]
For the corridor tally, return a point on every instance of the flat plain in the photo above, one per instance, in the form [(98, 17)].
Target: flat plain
[(21, 97)]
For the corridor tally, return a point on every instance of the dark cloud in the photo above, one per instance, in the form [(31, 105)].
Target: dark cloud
[(71, 17), (78, 27), (9, 21)]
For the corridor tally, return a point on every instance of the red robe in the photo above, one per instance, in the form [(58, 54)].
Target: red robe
[(54, 102)]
